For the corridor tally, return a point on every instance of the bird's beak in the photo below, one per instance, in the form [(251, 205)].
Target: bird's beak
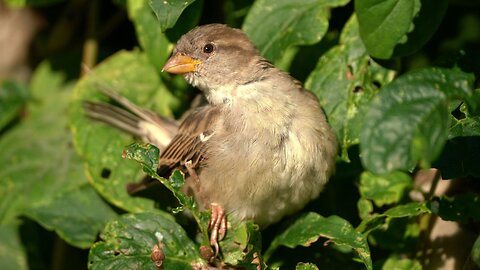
[(180, 64)]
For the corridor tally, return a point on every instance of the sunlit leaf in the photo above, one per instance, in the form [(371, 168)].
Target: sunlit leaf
[(385, 189), (400, 211), (310, 227)]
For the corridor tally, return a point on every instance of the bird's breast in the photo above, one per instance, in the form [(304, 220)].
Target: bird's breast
[(262, 166)]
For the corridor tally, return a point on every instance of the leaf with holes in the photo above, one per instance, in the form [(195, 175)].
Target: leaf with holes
[(384, 189), (405, 210), (127, 243), (147, 155), (408, 120), (242, 244), (311, 226), (462, 151), (461, 208), (345, 80)]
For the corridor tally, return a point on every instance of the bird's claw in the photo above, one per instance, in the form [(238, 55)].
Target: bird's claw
[(217, 226)]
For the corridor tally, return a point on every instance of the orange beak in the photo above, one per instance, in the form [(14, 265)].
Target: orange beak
[(180, 64)]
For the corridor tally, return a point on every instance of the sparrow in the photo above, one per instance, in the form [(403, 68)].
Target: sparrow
[(260, 148)]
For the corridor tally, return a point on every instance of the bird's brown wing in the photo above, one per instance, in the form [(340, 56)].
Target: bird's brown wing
[(191, 141)]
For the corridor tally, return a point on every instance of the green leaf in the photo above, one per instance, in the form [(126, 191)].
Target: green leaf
[(12, 254), (168, 11), (311, 226), (384, 189), (77, 216), (462, 151), (144, 153), (397, 263), (306, 266), (13, 97), (150, 35), (467, 127), (365, 207), (345, 80), (189, 19), (276, 25), (131, 75), (242, 244), (127, 243), (38, 160), (476, 252), (404, 210), (461, 208), (147, 155), (471, 107), (398, 27), (408, 120)]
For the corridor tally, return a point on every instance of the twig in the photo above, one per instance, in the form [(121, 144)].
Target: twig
[(90, 47)]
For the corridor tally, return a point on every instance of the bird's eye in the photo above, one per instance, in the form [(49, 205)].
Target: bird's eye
[(208, 48)]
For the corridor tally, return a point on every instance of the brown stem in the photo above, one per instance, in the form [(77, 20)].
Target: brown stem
[(90, 46)]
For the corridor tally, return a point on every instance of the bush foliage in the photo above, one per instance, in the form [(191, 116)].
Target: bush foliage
[(398, 80)]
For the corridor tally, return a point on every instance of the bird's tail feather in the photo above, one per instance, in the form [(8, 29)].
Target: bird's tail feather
[(130, 118)]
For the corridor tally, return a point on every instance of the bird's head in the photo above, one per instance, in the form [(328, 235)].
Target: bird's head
[(214, 56)]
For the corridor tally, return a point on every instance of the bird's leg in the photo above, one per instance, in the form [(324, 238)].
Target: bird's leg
[(256, 260), (218, 221), (191, 171), (193, 174), (217, 225)]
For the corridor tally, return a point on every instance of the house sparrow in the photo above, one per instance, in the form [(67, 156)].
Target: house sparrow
[(261, 148)]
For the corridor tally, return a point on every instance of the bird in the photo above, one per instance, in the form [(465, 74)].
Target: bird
[(259, 148)]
